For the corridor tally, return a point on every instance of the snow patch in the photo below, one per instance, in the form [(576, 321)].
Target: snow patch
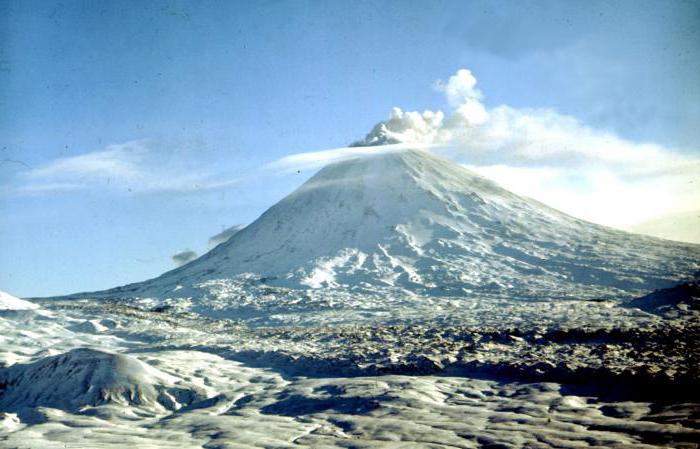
[(9, 302)]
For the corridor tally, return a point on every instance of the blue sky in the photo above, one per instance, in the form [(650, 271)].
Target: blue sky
[(130, 131)]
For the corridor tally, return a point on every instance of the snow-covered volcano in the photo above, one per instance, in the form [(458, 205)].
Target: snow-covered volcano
[(416, 222)]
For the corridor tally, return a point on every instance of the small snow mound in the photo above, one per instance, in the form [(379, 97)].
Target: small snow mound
[(89, 327), (88, 377), (9, 422), (9, 302)]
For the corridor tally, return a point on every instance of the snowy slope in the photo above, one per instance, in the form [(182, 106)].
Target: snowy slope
[(412, 222), (9, 302)]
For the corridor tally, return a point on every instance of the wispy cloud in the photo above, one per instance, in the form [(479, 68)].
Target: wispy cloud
[(555, 158), (315, 159), (183, 257), (137, 166), (45, 187), (224, 235), (117, 161)]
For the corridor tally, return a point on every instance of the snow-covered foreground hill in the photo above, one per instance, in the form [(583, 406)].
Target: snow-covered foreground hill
[(392, 301)]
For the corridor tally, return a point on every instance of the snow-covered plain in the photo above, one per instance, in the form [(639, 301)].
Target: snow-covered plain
[(394, 300), (603, 376)]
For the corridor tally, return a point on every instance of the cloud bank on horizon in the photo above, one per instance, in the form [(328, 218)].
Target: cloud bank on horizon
[(590, 173)]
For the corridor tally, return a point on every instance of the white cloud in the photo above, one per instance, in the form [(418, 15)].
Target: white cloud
[(600, 196), (431, 127), (546, 137), (683, 226), (469, 114), (589, 173), (460, 88), (406, 127), (137, 166)]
